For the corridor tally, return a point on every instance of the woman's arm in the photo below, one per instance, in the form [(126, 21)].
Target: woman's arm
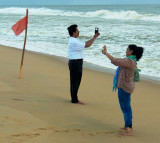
[(118, 62), (104, 51)]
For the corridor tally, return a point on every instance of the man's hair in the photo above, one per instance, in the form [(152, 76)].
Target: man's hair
[(72, 29)]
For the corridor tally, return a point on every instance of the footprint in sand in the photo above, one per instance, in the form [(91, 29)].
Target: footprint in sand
[(66, 131), (26, 135), (15, 135), (40, 129), (77, 129), (91, 134), (98, 133), (18, 99), (106, 132), (109, 132)]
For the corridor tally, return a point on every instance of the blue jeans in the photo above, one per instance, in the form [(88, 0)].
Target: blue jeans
[(124, 101)]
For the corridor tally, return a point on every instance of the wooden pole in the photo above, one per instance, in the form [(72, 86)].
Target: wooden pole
[(20, 76)]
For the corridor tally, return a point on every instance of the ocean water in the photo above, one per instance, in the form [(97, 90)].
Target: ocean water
[(119, 26)]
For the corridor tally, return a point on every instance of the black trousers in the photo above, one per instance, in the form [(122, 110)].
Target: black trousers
[(75, 68)]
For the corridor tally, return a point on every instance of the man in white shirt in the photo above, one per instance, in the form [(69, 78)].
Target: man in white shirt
[(75, 53)]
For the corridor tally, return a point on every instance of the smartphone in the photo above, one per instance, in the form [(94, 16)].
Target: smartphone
[(96, 30)]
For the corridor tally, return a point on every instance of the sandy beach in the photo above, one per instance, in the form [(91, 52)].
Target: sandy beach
[(37, 108)]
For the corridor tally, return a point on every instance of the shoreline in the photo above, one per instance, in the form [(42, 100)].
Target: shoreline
[(92, 66)]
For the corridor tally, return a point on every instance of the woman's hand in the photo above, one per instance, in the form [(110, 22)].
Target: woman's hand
[(104, 51)]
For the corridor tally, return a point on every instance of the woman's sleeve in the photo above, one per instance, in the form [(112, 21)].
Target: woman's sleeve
[(122, 62)]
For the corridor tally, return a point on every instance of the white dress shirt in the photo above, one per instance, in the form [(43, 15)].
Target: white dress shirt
[(75, 48)]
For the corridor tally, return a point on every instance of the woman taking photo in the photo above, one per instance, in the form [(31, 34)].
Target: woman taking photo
[(123, 80)]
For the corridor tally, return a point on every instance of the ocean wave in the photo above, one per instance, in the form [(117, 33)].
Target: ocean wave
[(106, 14)]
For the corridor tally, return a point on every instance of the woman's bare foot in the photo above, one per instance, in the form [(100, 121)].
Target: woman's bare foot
[(127, 132), (122, 129)]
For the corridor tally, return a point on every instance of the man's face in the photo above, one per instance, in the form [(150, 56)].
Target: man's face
[(76, 34)]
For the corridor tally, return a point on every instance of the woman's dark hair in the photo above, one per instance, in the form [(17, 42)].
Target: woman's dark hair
[(137, 51), (72, 29)]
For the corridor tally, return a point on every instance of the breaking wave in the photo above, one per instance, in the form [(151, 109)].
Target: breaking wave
[(106, 14)]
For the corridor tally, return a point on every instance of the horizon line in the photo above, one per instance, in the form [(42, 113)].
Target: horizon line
[(72, 4)]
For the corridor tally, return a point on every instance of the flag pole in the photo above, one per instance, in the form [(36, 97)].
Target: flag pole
[(20, 76)]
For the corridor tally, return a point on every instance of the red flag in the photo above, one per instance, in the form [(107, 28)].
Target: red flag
[(19, 27)]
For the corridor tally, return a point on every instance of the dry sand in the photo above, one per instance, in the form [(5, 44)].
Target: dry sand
[(37, 108)]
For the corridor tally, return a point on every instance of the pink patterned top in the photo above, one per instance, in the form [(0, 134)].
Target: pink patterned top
[(126, 73)]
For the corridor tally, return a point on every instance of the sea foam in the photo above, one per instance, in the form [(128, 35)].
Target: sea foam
[(107, 14)]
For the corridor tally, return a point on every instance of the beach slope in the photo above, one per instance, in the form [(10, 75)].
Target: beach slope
[(37, 107)]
